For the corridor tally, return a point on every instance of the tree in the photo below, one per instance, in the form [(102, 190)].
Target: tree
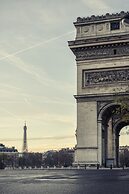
[(124, 158), (63, 157), (122, 108), (30, 160), (2, 164), (50, 159)]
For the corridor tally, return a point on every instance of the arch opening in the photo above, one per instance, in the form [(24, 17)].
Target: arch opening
[(112, 124), (124, 146)]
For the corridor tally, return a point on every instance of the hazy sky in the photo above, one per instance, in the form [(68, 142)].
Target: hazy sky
[(38, 71)]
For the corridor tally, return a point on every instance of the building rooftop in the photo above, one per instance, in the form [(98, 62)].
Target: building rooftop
[(101, 18), (3, 148)]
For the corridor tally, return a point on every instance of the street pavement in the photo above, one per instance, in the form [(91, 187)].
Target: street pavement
[(63, 181)]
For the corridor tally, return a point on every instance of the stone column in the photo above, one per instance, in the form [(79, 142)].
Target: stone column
[(110, 140), (103, 146), (114, 147), (117, 150), (100, 142)]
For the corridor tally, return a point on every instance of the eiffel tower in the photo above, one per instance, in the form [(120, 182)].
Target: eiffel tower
[(25, 148)]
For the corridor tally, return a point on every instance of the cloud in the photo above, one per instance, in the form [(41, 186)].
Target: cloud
[(20, 64), (97, 5), (9, 93), (41, 76), (47, 117), (36, 45), (23, 66), (30, 87), (10, 113), (10, 87)]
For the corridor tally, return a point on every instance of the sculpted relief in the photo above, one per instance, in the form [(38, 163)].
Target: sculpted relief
[(103, 77), (101, 52), (87, 30)]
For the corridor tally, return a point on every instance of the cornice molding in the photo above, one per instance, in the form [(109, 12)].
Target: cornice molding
[(91, 148), (99, 40), (99, 97), (108, 50), (101, 18)]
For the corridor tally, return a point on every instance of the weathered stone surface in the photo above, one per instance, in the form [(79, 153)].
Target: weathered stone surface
[(101, 48)]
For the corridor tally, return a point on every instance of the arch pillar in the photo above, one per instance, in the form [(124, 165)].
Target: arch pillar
[(99, 125), (117, 150), (110, 141), (108, 135), (114, 147)]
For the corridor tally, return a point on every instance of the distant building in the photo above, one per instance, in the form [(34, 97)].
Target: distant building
[(4, 149), (123, 148), (8, 156)]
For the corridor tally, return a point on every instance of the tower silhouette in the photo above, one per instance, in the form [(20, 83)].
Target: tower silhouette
[(25, 148)]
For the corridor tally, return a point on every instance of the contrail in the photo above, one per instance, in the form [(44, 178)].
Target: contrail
[(39, 138), (10, 113), (36, 45)]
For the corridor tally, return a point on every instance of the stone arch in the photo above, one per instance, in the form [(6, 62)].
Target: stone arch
[(109, 129), (105, 107), (117, 128), (99, 81), (107, 135)]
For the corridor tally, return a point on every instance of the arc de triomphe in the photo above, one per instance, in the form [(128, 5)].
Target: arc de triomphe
[(101, 48)]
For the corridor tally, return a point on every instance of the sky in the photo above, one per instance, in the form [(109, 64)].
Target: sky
[(38, 70)]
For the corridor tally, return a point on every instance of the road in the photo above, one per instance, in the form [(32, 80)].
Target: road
[(64, 181)]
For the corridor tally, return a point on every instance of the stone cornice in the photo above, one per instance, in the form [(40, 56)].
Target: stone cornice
[(104, 60), (98, 51), (93, 18), (109, 44), (98, 40), (99, 97), (91, 148)]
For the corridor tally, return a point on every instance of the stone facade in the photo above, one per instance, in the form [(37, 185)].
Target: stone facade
[(101, 48)]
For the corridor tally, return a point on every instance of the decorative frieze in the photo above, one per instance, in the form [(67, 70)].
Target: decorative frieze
[(105, 77), (101, 51)]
